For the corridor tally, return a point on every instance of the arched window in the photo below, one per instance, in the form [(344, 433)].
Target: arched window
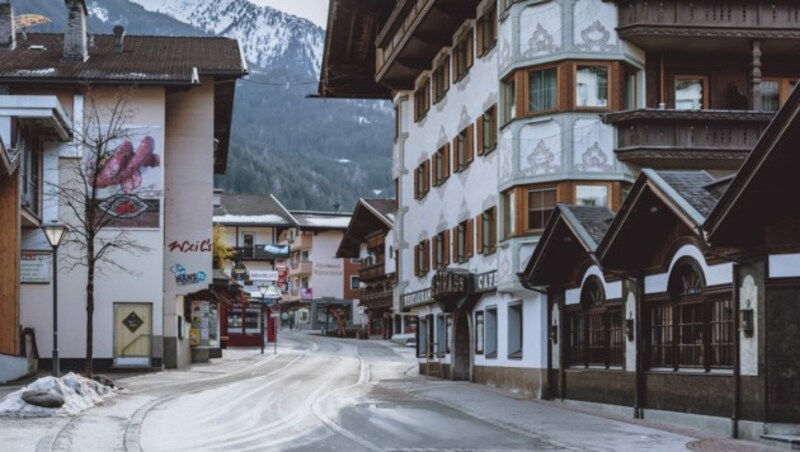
[(595, 329), (693, 326)]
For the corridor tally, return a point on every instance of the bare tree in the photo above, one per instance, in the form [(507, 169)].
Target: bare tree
[(101, 193)]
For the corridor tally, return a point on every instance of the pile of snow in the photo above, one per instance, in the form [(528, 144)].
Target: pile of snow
[(78, 393)]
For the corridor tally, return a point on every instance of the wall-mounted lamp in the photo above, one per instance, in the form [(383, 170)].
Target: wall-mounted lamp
[(629, 329), (746, 322), (554, 333)]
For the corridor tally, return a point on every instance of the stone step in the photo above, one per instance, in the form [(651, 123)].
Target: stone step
[(789, 442), (782, 429)]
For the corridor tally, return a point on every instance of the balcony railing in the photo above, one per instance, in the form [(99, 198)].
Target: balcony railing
[(262, 252), (373, 272), (675, 138), (302, 242), (746, 19), (300, 268)]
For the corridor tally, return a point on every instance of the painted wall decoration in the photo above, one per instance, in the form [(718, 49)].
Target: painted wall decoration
[(182, 278), (190, 246), (540, 30), (130, 180), (595, 22), (592, 146), (540, 149)]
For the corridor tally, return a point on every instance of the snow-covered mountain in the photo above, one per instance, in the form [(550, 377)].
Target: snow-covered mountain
[(268, 37)]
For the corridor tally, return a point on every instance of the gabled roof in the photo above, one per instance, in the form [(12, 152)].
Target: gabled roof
[(759, 193), (572, 234), (369, 216), (252, 210), (309, 220), (687, 195), (145, 60)]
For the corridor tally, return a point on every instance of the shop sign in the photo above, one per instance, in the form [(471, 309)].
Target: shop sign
[(450, 284), (418, 298), (307, 294), (268, 275), (486, 282), (34, 268)]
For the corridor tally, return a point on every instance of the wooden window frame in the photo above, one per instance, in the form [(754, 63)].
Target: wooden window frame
[(422, 180), (510, 201), (593, 347), (463, 243), (489, 117), (441, 242), (487, 218), (466, 44), (527, 192), (784, 87), (609, 191), (487, 20), (465, 138), (706, 88), (609, 84), (422, 258), (441, 162), (422, 100), (441, 80), (524, 97), (510, 109)]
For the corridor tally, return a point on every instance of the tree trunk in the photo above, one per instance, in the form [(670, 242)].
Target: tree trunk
[(89, 368)]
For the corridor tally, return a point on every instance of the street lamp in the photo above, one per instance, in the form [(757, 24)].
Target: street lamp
[(263, 289), (55, 233)]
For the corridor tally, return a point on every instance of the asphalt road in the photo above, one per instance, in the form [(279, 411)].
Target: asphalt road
[(324, 394)]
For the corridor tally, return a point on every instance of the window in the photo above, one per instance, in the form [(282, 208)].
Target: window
[(515, 331), (487, 231), (591, 86), (249, 240), (487, 131), (462, 146), (542, 90), (490, 333), (421, 258), (448, 333), (591, 195), (509, 205), (541, 203), (441, 249), (595, 329), (691, 329), (463, 56), (304, 283), (479, 333), (440, 347), (441, 165), (422, 100), (422, 337), (774, 92), (462, 244), (691, 92), (509, 99), (422, 180), (487, 30), (355, 283), (441, 79), (631, 91)]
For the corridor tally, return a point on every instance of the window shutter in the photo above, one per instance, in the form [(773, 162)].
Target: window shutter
[(426, 251), (455, 154), (416, 184), (479, 32), (446, 248), (416, 259), (470, 144), (470, 237), (479, 126), (426, 168), (446, 162), (470, 49), (494, 228), (480, 233)]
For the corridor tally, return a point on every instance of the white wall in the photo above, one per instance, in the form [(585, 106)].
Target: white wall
[(327, 278)]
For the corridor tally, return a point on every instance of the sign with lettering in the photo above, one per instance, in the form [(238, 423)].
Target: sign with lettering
[(418, 298), (486, 282), (450, 284), (34, 268), (307, 294), (263, 275)]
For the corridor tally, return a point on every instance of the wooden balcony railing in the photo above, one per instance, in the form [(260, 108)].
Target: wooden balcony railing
[(374, 272), (262, 252), (300, 268), (674, 138), (377, 300), (746, 19)]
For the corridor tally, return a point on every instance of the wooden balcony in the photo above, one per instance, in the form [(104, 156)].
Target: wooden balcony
[(414, 33), (723, 25), (302, 242), (300, 268), (371, 273), (703, 139), (377, 300)]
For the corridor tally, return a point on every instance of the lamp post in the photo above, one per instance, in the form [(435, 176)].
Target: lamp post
[(263, 289), (55, 233)]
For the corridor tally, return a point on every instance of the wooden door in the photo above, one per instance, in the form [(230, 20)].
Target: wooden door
[(783, 355), (133, 329)]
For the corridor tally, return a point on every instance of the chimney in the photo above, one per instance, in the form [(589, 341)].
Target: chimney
[(8, 38), (119, 39), (76, 45)]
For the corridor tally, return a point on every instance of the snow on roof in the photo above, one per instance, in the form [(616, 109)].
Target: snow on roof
[(326, 222), (251, 219)]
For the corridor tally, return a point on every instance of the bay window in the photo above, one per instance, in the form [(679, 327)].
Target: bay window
[(542, 90), (591, 195), (591, 85), (541, 202)]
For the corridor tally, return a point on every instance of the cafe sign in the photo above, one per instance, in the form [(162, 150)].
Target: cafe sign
[(446, 284), (486, 282)]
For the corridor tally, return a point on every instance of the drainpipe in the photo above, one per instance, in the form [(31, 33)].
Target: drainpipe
[(737, 364), (639, 401), (550, 391)]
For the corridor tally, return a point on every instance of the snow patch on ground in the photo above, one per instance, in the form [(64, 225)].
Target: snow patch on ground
[(79, 393)]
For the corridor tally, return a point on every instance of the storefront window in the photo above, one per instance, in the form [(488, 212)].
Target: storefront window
[(252, 321), (479, 333)]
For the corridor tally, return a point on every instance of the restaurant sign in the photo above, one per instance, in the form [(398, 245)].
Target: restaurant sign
[(418, 298), (34, 268), (446, 284)]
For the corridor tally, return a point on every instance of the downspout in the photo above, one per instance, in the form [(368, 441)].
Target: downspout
[(550, 391), (562, 360), (737, 364)]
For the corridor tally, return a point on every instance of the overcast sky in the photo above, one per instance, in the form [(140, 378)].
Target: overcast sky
[(314, 10)]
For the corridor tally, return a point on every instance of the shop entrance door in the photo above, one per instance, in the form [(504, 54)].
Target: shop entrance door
[(462, 359), (133, 334), (783, 356)]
